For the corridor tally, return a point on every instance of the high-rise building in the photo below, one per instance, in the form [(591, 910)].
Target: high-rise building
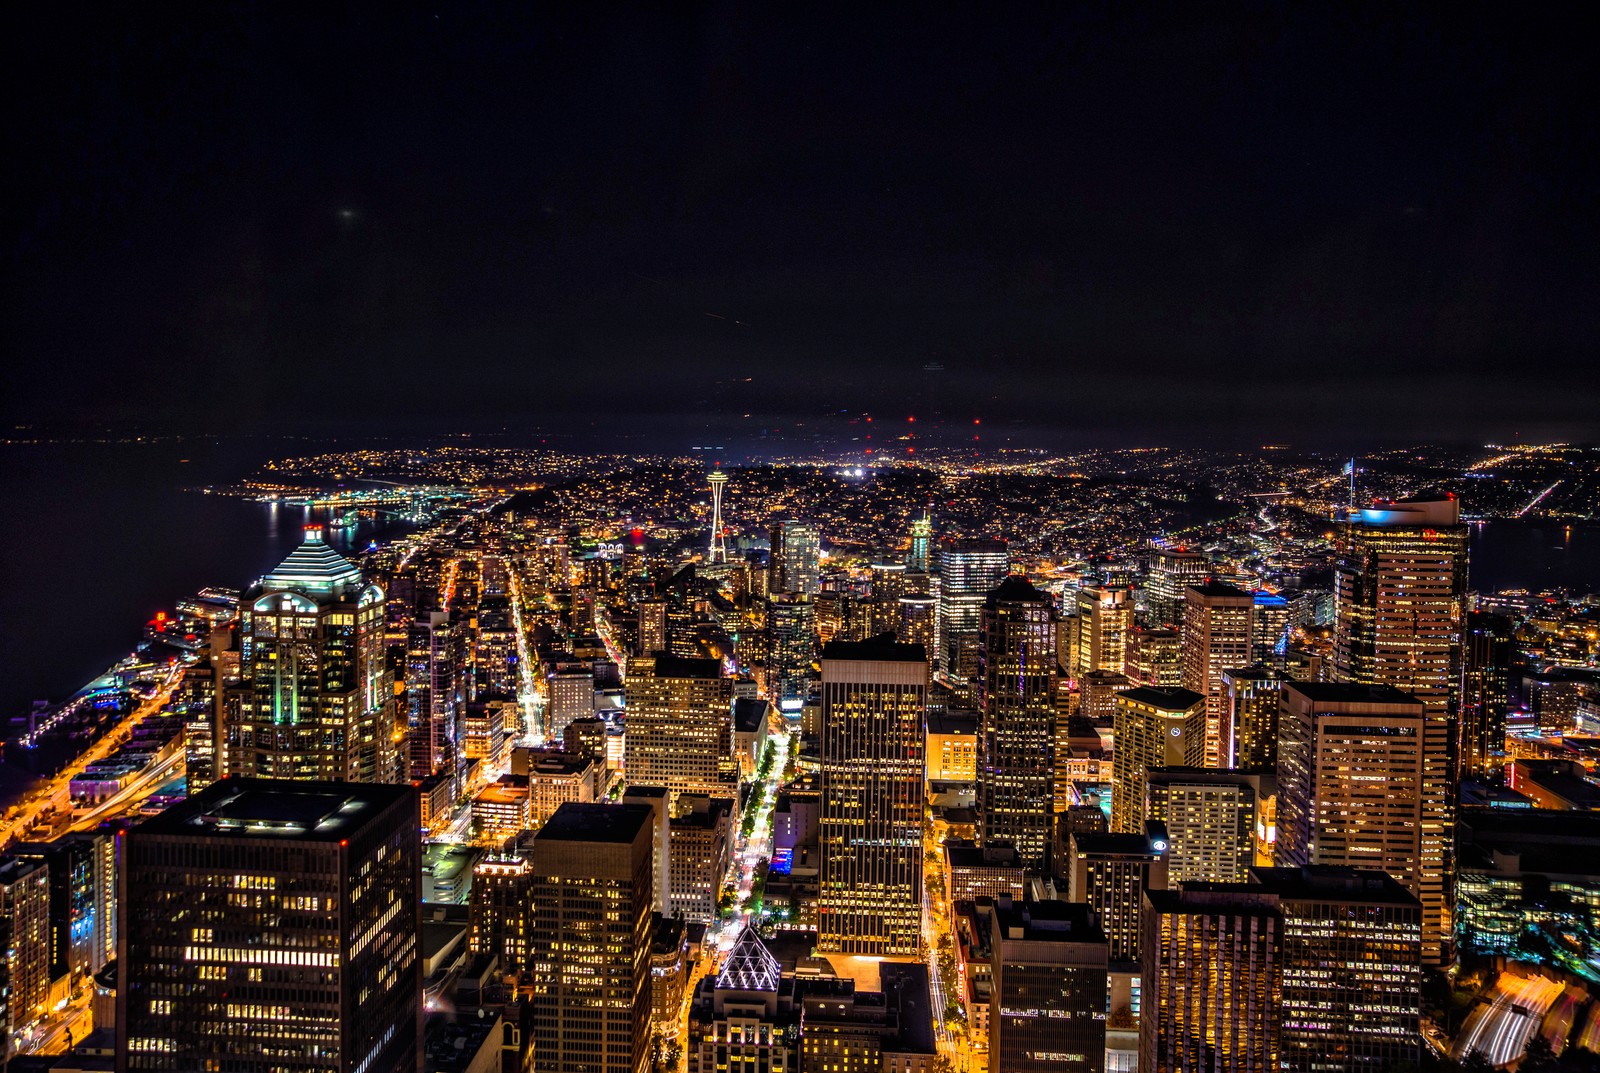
[(315, 697), (25, 957), (699, 848), (1097, 694), (1485, 693), (1155, 658), (1049, 993), (1352, 969), (1016, 694), (792, 621), (874, 700), (590, 954), (795, 561), (1213, 980), (1153, 728), (1211, 820), (1171, 571), (1250, 702), (969, 569), (1216, 637), (1110, 873), (918, 555), (502, 911), (1269, 626), (570, 689), (434, 696), (680, 726), (888, 585), (273, 924), (1350, 773), (918, 621), (1105, 618), (1399, 590), (746, 1016)]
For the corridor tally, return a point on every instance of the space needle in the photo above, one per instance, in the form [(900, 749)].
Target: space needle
[(719, 544)]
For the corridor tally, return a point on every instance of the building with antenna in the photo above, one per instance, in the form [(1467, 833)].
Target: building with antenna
[(719, 542)]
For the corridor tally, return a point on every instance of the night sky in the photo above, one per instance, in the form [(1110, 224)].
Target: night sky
[(1157, 225)]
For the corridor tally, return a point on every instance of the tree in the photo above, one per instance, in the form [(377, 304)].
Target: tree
[(1477, 1062), (1538, 1056)]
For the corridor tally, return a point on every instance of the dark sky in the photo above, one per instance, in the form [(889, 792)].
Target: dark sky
[(1375, 221)]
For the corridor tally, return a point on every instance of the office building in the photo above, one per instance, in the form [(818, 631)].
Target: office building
[(590, 954), (918, 552), (1485, 693), (1155, 658), (25, 958), (700, 848), (1399, 589), (1352, 969), (1153, 728), (270, 924), (1250, 701), (969, 569), (918, 621), (1016, 694), (680, 726), (435, 696), (1350, 773), (794, 564), (1211, 819), (502, 911), (952, 745), (792, 650), (570, 689), (874, 698), (1105, 619), (1172, 570), (1269, 626), (1049, 987), (1212, 980), (315, 697), (1110, 873), (1216, 637), (1097, 692)]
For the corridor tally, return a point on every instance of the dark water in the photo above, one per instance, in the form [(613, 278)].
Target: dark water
[(95, 538)]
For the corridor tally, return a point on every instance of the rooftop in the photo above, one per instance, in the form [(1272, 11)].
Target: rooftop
[(877, 649), (1047, 921), (1213, 589), (1332, 883), (685, 667), (583, 822), (1176, 699), (749, 713), (1350, 693), (277, 808), (313, 567), (1015, 589)]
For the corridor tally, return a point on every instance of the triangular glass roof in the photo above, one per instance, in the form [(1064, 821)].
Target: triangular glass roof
[(750, 966), (313, 567)]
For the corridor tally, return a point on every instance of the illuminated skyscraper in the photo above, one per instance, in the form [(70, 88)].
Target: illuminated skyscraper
[(1105, 618), (874, 701), (1048, 1005), (1250, 700), (269, 925), (918, 621), (1213, 980), (25, 958), (590, 954), (795, 562), (1016, 694), (968, 570), (680, 726), (1486, 683), (719, 541), (1155, 658), (316, 696), (502, 911), (792, 622), (1352, 969), (1154, 728), (919, 554), (1210, 818), (434, 696), (1351, 764), (1216, 637), (1399, 589), (1110, 873), (1171, 571)]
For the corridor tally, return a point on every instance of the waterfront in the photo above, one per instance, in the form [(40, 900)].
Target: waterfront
[(100, 537)]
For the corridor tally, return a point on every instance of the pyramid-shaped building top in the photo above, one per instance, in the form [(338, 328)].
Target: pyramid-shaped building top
[(750, 966), (314, 568)]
